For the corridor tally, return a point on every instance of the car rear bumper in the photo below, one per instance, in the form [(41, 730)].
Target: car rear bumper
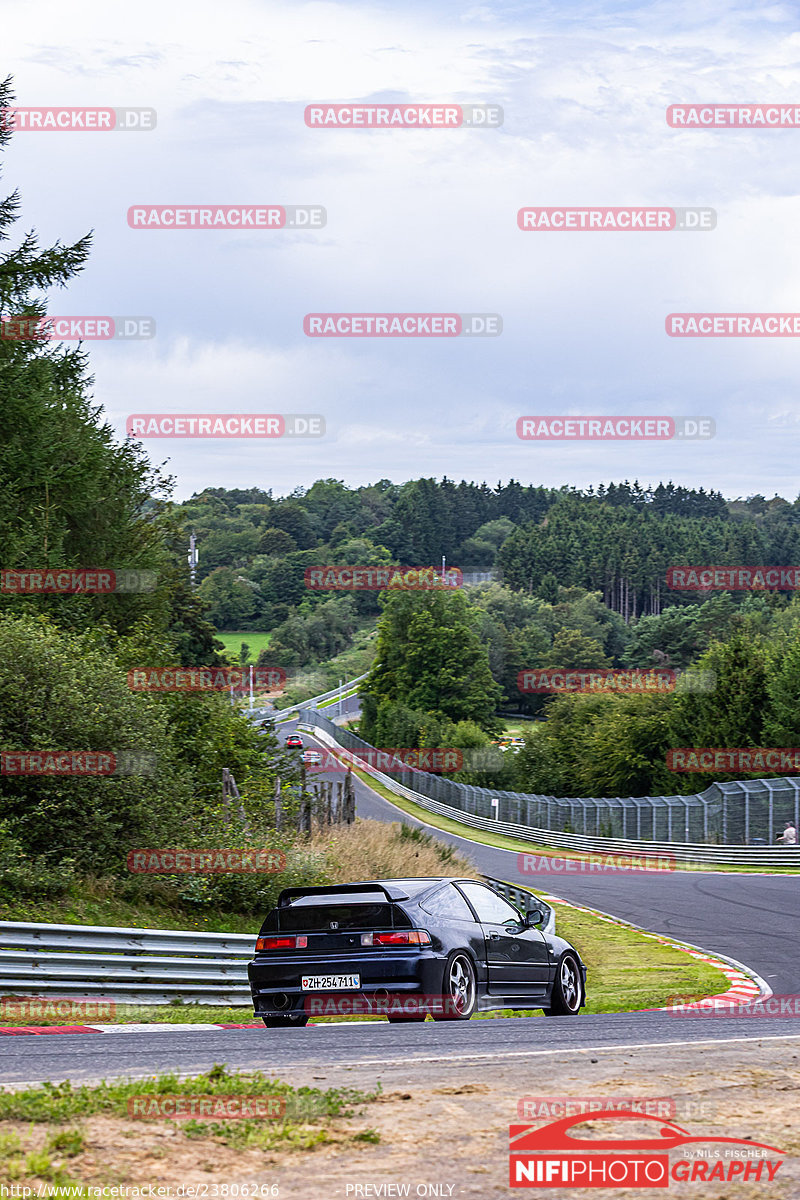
[(275, 982)]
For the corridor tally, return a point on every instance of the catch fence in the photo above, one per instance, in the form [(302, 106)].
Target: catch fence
[(749, 812)]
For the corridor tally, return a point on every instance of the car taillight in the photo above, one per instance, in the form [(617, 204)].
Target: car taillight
[(397, 937), (281, 943)]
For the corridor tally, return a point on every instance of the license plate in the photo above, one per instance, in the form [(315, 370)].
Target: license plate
[(329, 983)]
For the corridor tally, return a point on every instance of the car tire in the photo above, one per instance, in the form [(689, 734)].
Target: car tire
[(286, 1021), (567, 995), (459, 988)]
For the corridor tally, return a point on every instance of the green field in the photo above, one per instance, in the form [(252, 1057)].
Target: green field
[(518, 726), (256, 640)]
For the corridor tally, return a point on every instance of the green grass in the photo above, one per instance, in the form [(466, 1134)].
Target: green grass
[(96, 902), (232, 641), (57, 1103), (627, 970), (137, 1014), (335, 699), (514, 727), (308, 1117)]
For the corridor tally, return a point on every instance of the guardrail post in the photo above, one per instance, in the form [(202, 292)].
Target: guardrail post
[(747, 817)]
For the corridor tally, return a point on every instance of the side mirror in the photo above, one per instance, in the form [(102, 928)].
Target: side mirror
[(533, 918)]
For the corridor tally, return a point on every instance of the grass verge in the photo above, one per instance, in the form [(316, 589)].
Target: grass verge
[(335, 699), (61, 1134)]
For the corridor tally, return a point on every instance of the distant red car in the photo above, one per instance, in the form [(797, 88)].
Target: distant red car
[(294, 741)]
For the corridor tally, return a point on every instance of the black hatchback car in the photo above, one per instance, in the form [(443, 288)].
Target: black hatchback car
[(406, 948)]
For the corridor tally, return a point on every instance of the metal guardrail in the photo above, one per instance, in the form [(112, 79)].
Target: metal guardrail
[(131, 966), (780, 857), (525, 901), (282, 714), (143, 966)]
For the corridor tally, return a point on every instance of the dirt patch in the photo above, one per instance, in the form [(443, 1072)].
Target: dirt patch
[(444, 1127)]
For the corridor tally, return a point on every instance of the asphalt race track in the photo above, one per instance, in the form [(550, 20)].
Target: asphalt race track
[(751, 918), (278, 1052)]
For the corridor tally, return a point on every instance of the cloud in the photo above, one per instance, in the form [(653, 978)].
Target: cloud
[(426, 221)]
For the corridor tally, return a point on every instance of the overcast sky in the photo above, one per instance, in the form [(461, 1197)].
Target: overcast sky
[(425, 221)]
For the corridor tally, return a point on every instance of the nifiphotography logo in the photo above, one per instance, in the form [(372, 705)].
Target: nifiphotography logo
[(552, 1156)]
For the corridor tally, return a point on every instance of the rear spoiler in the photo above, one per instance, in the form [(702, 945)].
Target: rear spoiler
[(349, 889)]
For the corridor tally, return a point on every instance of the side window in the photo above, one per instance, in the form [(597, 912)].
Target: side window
[(488, 905), (448, 903)]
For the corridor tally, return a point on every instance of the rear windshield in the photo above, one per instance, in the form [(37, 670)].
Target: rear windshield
[(318, 917)]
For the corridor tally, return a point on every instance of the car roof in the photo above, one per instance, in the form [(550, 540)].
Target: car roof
[(413, 888), (394, 889)]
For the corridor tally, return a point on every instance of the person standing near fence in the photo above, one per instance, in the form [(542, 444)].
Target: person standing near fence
[(789, 835)]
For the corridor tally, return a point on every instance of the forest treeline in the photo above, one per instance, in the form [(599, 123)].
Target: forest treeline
[(618, 539)]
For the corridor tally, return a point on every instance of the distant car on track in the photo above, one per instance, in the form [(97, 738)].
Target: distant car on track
[(442, 937), (312, 758), (294, 741)]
